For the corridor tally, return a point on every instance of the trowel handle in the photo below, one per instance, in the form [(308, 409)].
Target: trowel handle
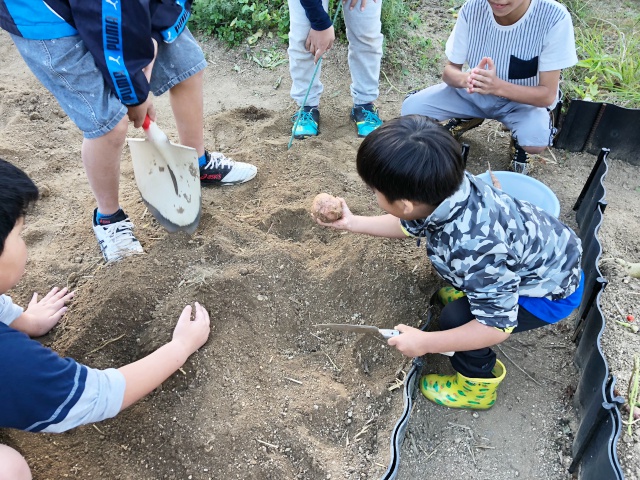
[(154, 134), (388, 333)]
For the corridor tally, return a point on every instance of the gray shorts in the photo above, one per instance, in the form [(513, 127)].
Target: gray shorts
[(67, 69), (531, 125)]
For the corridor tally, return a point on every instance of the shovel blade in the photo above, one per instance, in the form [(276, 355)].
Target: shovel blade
[(168, 178), (349, 328)]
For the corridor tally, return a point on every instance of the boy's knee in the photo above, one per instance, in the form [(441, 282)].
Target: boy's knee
[(409, 105), (119, 133), (455, 314), (533, 150), (13, 466)]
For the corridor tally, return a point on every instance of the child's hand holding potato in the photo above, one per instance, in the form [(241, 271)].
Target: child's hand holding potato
[(330, 211)]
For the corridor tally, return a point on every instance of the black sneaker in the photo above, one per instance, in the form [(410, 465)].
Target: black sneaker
[(366, 118), (308, 124), (458, 126), (519, 158), (220, 170)]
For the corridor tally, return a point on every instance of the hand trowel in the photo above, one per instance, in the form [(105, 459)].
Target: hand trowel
[(385, 332), (168, 178)]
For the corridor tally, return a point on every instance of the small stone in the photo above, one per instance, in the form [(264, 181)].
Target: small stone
[(244, 271), (44, 191)]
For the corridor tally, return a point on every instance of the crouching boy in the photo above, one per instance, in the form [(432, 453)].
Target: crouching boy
[(41, 391), (518, 265), (515, 52)]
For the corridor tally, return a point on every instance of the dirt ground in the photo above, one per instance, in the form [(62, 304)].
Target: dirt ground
[(269, 396)]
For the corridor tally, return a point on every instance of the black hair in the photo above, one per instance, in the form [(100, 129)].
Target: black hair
[(17, 191), (411, 158)]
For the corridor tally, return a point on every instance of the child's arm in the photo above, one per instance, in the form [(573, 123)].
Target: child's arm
[(483, 80), (55, 394), (149, 372), (379, 226), (41, 316), (453, 76), (470, 336)]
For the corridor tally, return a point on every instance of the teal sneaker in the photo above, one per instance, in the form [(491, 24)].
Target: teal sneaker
[(366, 118), (307, 126)]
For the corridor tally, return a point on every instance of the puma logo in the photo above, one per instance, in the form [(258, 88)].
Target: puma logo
[(115, 59), (112, 2)]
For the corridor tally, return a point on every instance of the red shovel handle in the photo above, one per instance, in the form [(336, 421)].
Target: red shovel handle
[(147, 122)]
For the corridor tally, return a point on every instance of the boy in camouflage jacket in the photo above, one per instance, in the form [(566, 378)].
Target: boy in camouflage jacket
[(517, 266)]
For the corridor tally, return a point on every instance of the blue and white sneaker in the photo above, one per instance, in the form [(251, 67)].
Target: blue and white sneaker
[(366, 118), (308, 124)]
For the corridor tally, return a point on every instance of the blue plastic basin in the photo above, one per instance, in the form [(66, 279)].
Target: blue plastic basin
[(526, 188)]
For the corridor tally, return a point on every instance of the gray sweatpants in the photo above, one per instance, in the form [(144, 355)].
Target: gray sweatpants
[(530, 125), (365, 53)]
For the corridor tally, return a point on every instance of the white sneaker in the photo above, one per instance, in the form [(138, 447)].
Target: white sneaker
[(220, 170), (116, 239)]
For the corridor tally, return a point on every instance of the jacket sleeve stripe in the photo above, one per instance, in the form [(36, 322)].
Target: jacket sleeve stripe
[(113, 53), (70, 401)]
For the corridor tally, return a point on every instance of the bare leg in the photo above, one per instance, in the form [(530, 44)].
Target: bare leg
[(533, 150), (101, 159), (12, 465), (187, 105)]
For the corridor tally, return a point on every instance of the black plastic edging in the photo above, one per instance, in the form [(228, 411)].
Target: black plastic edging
[(597, 407), (409, 392), (590, 126)]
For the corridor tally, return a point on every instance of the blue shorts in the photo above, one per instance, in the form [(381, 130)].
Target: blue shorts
[(67, 69)]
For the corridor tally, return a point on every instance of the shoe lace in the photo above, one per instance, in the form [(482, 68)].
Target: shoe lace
[(120, 233), (304, 117), (218, 160), (520, 156), (371, 117)]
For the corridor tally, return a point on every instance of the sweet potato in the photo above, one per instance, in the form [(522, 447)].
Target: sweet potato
[(326, 208)]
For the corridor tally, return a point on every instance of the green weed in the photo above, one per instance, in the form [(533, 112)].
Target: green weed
[(235, 21), (609, 67)]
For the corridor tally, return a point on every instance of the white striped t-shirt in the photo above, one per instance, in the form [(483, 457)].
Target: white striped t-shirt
[(541, 41)]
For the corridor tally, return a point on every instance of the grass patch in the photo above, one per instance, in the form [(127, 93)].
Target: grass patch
[(608, 69), (235, 22)]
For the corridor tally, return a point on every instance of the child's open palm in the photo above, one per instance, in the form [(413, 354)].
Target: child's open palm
[(42, 315)]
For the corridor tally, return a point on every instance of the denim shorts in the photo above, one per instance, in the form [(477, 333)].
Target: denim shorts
[(67, 69)]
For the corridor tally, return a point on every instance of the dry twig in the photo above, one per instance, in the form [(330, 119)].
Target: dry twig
[(266, 444), (519, 367), (105, 344)]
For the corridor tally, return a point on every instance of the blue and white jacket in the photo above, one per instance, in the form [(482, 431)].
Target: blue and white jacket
[(502, 252), (117, 33), (43, 392)]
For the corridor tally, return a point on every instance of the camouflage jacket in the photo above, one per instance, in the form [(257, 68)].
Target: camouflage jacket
[(496, 248)]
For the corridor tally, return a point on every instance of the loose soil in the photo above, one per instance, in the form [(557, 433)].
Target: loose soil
[(270, 396)]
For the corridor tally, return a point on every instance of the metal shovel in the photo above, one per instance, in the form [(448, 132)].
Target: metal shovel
[(168, 178), (385, 332), (345, 327)]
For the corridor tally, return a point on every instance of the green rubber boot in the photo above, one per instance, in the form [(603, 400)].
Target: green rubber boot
[(449, 294), (458, 391)]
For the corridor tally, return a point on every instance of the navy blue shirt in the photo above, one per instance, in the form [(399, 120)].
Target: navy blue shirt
[(118, 33)]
